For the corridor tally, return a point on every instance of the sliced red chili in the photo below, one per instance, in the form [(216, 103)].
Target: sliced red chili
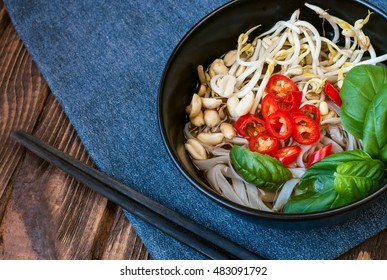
[(285, 92), (279, 85), (250, 126), (291, 102), (280, 124), (264, 144), (288, 154), (333, 93), (306, 130), (319, 154), (312, 111), (269, 105)]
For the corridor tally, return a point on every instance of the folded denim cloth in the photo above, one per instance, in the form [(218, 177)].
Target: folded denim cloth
[(103, 60)]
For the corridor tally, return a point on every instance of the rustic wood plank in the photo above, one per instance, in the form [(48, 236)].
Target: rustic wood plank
[(83, 235), (45, 214), (118, 235), (60, 218), (20, 103), (4, 18)]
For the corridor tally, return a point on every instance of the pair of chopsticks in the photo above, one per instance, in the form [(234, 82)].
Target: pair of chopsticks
[(170, 222)]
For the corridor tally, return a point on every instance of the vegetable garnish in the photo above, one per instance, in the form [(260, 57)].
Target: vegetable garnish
[(319, 154), (263, 144), (280, 124), (269, 105), (375, 126), (280, 86), (306, 130), (262, 170), (333, 93), (311, 111), (291, 121), (287, 154), (335, 181), (360, 86), (250, 126), (285, 92)]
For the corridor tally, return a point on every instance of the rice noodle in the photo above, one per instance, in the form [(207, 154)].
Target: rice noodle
[(284, 194)]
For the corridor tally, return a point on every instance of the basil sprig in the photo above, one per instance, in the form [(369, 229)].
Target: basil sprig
[(375, 126), (262, 170), (360, 86), (336, 180), (356, 179)]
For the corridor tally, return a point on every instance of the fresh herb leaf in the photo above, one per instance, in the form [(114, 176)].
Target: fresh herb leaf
[(259, 169), (360, 86), (375, 127), (327, 166), (355, 180), (311, 201), (336, 180)]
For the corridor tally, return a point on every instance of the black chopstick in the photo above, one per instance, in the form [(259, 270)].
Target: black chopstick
[(170, 222)]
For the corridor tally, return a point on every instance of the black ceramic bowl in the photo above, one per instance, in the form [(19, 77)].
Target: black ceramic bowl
[(213, 36)]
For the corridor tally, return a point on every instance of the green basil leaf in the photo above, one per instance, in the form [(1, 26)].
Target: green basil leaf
[(359, 88), (327, 166), (357, 179), (259, 169), (326, 198), (336, 180), (375, 126)]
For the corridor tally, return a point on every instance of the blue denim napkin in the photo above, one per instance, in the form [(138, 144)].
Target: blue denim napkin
[(103, 60)]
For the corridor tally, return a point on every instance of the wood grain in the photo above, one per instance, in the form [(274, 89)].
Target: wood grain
[(45, 214)]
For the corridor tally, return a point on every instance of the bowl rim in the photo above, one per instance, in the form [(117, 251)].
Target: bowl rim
[(207, 191)]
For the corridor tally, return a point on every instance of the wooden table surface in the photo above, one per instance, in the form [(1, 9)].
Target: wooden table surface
[(45, 214)]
